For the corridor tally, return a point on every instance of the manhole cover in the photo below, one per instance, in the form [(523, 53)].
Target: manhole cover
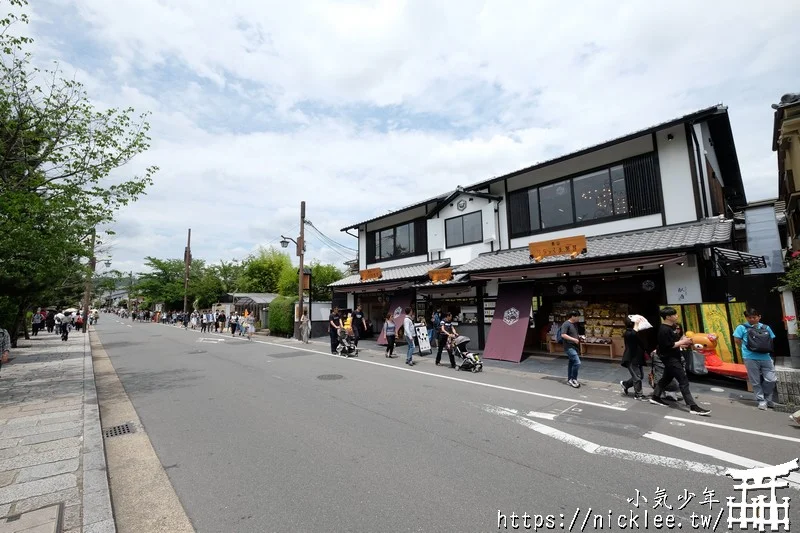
[(326, 377), (116, 431)]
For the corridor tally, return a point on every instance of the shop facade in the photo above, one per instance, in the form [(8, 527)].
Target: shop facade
[(650, 207)]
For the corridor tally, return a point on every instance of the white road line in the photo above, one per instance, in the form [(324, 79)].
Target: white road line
[(128, 325), (489, 385), (794, 479), (731, 428), (596, 449), (545, 416)]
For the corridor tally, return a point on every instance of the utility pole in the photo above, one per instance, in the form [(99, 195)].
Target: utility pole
[(87, 293), (301, 245), (187, 260)]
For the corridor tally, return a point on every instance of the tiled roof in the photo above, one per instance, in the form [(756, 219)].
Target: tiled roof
[(399, 273), (677, 237)]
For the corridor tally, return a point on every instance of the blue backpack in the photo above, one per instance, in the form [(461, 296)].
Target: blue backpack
[(559, 339)]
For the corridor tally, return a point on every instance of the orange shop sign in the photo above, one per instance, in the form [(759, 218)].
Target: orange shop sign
[(573, 246), (440, 275), (371, 273)]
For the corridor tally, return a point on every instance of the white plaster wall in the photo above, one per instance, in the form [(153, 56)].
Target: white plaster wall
[(683, 284), (612, 154), (362, 250), (676, 176), (608, 228), (711, 154), (351, 300), (401, 262), (702, 166)]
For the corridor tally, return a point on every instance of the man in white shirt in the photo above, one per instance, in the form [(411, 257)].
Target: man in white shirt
[(410, 333), (61, 322)]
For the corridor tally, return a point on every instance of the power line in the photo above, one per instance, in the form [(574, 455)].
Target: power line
[(330, 239)]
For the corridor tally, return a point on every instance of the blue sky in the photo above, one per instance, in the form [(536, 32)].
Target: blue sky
[(264, 103)]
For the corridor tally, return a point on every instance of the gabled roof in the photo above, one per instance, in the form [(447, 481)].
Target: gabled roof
[(436, 199), (667, 238), (398, 273)]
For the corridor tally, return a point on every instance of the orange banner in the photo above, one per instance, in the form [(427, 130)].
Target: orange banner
[(566, 246), (371, 273), (441, 274)]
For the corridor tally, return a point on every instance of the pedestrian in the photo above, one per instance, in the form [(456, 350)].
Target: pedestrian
[(305, 326), (5, 346), (572, 346), (436, 322), (359, 324), (410, 333), (390, 331), (37, 322), (446, 332), (633, 360), (334, 325), (669, 350), (234, 323), (756, 341)]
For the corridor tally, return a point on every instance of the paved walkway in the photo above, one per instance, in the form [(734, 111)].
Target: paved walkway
[(52, 457)]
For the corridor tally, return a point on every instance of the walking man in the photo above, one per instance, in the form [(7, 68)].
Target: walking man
[(669, 350), (572, 347), (334, 325), (410, 333), (359, 324), (756, 341)]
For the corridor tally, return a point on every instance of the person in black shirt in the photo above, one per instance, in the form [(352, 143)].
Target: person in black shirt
[(669, 350), (572, 347), (446, 331), (633, 359), (334, 325), (359, 324)]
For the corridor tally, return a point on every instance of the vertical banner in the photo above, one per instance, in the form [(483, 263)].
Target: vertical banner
[(397, 306), (510, 322)]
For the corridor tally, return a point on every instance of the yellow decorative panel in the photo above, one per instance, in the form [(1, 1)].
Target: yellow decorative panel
[(691, 318), (737, 310), (716, 321)]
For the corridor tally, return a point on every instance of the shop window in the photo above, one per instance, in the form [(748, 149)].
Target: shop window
[(555, 204), (627, 189), (399, 241), (466, 229)]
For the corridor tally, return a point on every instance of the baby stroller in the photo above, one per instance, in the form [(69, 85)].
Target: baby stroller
[(347, 345), (469, 361)]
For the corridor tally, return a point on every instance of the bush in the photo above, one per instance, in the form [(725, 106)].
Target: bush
[(281, 316)]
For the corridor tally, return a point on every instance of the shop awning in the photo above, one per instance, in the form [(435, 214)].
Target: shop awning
[(663, 240), (392, 276), (734, 260)]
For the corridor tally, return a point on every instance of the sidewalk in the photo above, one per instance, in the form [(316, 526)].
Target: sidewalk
[(52, 457)]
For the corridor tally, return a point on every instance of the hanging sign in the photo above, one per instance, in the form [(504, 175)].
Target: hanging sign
[(441, 275), (371, 273), (573, 246)]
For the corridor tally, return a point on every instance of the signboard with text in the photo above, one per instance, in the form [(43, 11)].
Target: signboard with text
[(371, 273), (566, 246)]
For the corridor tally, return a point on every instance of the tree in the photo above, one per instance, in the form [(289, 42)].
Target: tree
[(57, 153), (262, 272), (321, 276)]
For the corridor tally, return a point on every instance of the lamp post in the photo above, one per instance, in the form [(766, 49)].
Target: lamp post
[(301, 248)]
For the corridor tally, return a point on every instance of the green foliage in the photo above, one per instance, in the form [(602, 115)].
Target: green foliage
[(281, 315), (56, 155), (791, 279), (322, 276), (262, 272)]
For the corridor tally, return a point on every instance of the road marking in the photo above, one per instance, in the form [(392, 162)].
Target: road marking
[(489, 385), (596, 449), (794, 479), (128, 325), (546, 416), (731, 428)]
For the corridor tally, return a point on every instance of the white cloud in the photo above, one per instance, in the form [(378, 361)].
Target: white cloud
[(360, 107)]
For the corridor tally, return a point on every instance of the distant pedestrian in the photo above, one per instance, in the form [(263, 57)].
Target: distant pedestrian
[(359, 324), (633, 360), (669, 351), (38, 319), (756, 341), (390, 331), (305, 326), (5, 346), (447, 332), (572, 347), (334, 325), (410, 333)]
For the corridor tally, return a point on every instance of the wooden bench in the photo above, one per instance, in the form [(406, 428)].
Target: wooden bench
[(590, 349)]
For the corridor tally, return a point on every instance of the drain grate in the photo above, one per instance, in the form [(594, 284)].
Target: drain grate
[(326, 377), (116, 431)]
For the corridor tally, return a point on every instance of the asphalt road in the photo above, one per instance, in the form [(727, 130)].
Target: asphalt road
[(279, 436)]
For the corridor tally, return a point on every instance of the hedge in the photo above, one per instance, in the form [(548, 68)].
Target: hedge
[(281, 316)]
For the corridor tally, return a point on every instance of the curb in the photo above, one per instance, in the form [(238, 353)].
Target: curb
[(98, 514)]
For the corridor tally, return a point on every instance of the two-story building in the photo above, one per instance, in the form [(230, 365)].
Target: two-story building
[(786, 143), (653, 211)]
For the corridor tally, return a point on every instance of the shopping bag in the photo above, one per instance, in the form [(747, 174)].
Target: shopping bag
[(696, 363), (640, 323)]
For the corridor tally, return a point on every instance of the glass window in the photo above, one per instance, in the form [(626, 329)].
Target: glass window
[(533, 203), (593, 198), (619, 190), (402, 239), (555, 204), (473, 230), (454, 232), (387, 243)]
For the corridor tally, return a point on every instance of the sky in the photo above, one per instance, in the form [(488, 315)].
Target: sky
[(363, 107)]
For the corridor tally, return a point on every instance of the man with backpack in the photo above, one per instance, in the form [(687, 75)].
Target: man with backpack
[(569, 337), (756, 342)]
